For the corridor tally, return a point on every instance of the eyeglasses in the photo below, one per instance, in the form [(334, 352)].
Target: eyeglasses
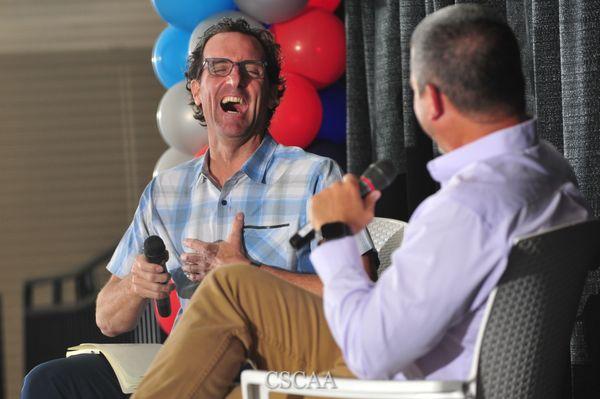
[(223, 67)]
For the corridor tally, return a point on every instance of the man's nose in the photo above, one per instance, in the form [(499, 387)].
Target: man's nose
[(238, 77)]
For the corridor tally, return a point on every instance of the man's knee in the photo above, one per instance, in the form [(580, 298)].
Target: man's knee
[(87, 375), (41, 380)]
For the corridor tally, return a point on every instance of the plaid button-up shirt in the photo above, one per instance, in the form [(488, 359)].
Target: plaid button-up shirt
[(272, 189)]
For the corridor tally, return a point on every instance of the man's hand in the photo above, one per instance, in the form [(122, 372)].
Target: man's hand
[(341, 202), (147, 279), (209, 255)]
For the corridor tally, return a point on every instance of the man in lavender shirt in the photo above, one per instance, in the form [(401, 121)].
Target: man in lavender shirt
[(499, 181)]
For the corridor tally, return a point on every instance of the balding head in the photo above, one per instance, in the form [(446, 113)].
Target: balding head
[(471, 55)]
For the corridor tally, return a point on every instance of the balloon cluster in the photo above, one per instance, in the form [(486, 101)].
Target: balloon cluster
[(313, 48)]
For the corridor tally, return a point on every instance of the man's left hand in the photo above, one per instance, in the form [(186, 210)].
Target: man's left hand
[(341, 202), (206, 256)]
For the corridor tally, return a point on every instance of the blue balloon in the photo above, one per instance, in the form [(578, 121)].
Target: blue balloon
[(333, 127), (169, 56), (186, 14)]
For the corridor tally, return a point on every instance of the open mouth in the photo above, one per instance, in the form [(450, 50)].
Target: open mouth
[(232, 105)]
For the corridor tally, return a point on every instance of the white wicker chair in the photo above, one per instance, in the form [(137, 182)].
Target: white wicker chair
[(387, 235)]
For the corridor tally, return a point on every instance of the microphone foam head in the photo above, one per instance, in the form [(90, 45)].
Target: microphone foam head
[(154, 246), (381, 173)]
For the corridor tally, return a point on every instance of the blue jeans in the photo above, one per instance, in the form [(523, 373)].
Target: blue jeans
[(80, 376)]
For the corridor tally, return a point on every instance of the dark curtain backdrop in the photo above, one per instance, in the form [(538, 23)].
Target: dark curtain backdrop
[(560, 42)]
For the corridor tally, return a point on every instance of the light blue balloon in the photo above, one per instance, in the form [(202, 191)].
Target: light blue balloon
[(169, 56), (186, 14)]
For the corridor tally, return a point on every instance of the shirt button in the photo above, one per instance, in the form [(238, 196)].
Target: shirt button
[(224, 202)]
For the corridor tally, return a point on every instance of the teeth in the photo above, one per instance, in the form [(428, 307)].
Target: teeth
[(230, 99)]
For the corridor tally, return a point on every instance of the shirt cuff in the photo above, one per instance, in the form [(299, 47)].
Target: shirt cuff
[(334, 256)]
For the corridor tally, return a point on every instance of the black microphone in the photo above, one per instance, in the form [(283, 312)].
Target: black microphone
[(378, 176), (155, 252)]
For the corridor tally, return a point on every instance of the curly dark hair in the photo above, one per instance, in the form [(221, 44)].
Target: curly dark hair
[(272, 57)]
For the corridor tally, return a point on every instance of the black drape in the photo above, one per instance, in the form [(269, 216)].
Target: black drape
[(560, 46)]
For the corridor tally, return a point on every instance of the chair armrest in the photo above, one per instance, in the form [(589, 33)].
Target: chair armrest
[(257, 385)]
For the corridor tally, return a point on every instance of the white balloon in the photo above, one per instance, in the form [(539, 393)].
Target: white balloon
[(271, 11), (212, 20), (169, 159), (176, 123)]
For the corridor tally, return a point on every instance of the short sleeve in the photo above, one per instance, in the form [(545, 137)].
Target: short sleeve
[(132, 242)]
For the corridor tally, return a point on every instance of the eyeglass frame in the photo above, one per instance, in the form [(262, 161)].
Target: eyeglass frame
[(240, 64)]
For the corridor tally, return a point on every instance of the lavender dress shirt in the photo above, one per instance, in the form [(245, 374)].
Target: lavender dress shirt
[(420, 320)]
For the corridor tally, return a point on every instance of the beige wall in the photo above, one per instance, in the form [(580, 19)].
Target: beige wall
[(57, 25), (78, 139)]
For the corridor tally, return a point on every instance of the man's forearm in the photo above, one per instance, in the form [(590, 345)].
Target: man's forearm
[(309, 282), (117, 307), (312, 282)]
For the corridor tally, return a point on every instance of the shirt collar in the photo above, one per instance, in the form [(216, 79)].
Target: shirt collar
[(202, 167), (512, 139), (255, 167)]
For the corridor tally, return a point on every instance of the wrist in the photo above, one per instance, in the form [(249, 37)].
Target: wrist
[(130, 290), (334, 230)]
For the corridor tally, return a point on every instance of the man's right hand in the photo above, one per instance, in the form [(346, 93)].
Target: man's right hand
[(341, 202), (207, 256), (148, 279)]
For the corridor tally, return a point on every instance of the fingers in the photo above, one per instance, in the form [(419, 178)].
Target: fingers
[(342, 202), (149, 271), (236, 233), (370, 201), (203, 255), (197, 258), (351, 184), (195, 271), (350, 179), (207, 256), (194, 244), (157, 291), (369, 206), (195, 276), (149, 280), (197, 264)]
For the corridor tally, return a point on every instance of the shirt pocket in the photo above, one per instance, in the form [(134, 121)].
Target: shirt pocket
[(269, 245)]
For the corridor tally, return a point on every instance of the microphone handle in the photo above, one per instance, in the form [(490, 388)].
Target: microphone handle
[(164, 304), (302, 236), (164, 307)]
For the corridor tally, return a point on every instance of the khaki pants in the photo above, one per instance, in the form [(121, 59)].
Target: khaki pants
[(241, 312)]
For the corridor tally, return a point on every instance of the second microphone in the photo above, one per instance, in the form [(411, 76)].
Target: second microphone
[(378, 176)]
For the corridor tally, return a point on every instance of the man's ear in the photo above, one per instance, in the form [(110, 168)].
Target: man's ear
[(435, 101), (273, 101), (195, 90)]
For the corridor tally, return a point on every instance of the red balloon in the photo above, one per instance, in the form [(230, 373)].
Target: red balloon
[(313, 45), (166, 323), (201, 151), (329, 5), (298, 117)]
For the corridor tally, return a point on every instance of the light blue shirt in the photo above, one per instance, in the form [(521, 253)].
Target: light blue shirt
[(272, 189), (420, 320)]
